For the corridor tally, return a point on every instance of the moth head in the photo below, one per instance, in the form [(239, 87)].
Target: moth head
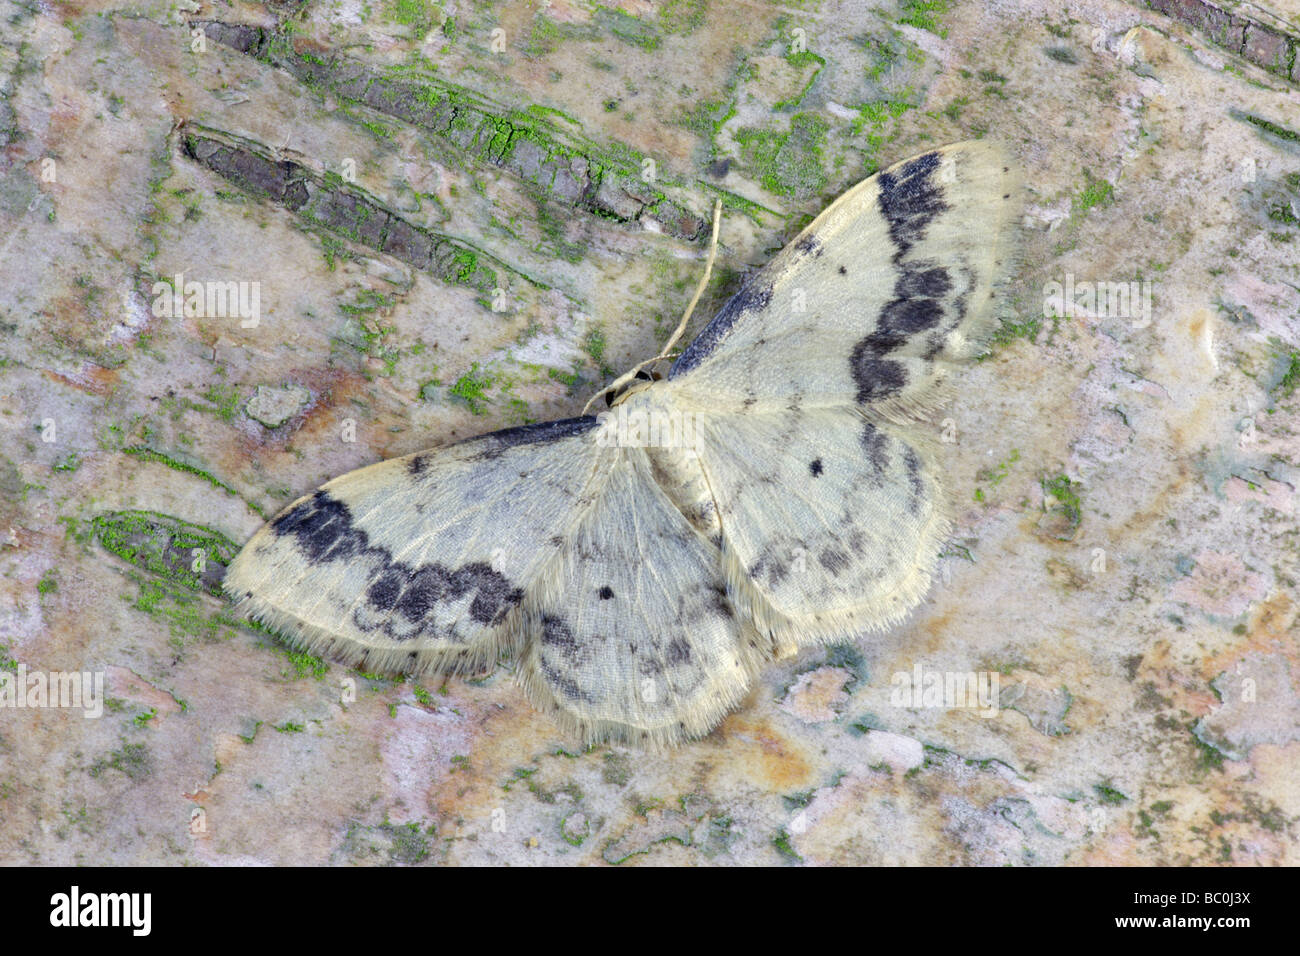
[(642, 381)]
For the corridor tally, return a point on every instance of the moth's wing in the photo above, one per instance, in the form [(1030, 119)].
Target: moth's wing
[(831, 518), (895, 280), (421, 563), (831, 523), (635, 638)]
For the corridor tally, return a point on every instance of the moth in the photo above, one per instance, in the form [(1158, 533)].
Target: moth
[(641, 577)]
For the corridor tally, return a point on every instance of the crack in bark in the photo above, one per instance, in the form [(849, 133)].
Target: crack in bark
[(1268, 47), (338, 209), (531, 153)]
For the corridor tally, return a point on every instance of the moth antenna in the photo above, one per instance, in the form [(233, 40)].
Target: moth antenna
[(686, 316), (704, 281)]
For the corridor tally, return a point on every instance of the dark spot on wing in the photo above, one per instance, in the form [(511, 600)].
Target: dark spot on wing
[(875, 378), (906, 317), (606, 593), (565, 685), (718, 602), (815, 466), (556, 633), (385, 589), (753, 297), (833, 560), (323, 530), (494, 443), (923, 280), (910, 200), (913, 465), (422, 592), (416, 465), (843, 271), (494, 595), (915, 309), (769, 567), (414, 592), (558, 637), (809, 245), (679, 652), (873, 442)]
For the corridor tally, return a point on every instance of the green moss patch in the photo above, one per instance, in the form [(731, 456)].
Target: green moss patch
[(787, 163), (183, 553)]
